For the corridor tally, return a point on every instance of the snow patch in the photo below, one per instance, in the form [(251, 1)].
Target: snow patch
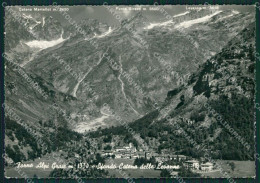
[(30, 17), (32, 27), (27, 16), (110, 30), (181, 14), (27, 21), (43, 44), (235, 12), (225, 17), (43, 21), (152, 25), (105, 33), (189, 23)]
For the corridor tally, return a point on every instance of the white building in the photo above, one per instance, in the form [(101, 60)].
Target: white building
[(192, 164), (118, 155), (180, 157), (207, 166)]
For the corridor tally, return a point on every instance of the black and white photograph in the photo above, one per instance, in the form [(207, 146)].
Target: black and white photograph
[(130, 91)]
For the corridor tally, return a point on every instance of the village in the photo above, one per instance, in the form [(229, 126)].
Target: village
[(113, 150), (130, 152)]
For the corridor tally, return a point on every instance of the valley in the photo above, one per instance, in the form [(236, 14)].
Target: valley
[(196, 68)]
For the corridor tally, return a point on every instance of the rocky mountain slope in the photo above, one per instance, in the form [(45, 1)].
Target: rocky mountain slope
[(180, 48), (225, 84)]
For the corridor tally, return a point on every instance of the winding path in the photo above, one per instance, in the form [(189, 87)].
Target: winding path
[(123, 86), (74, 93)]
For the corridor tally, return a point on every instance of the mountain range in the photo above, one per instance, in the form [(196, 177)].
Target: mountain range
[(192, 59)]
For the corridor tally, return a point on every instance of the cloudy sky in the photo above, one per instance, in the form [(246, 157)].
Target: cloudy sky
[(102, 14)]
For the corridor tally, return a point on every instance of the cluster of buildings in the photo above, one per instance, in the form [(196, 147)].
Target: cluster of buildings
[(126, 152), (130, 152), (168, 157)]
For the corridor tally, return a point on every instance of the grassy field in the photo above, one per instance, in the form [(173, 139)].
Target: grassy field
[(243, 169), (133, 173), (125, 161)]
